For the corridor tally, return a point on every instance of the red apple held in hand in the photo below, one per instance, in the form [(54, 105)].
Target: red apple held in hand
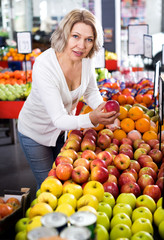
[(113, 170), (156, 155), (153, 191), (126, 178), (99, 174), (160, 183), (112, 178), (145, 180), (112, 188), (112, 105), (145, 146), (106, 156), (127, 152), (126, 141), (89, 155), (88, 144), (148, 170), (152, 142), (134, 165), (144, 158), (103, 141), (97, 162), (131, 187), (82, 162), (152, 165), (80, 174), (121, 161), (60, 159), (64, 171)]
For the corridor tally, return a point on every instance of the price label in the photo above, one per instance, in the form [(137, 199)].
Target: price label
[(156, 80), (24, 42), (147, 46)]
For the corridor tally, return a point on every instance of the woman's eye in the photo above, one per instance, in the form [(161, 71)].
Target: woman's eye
[(75, 36), (90, 40)]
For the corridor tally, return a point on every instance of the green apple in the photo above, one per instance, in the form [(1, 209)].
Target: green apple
[(142, 212), (122, 208), (21, 224), (146, 201), (33, 202), (124, 238), (142, 235), (158, 216), (121, 218), (161, 229), (105, 207), (101, 232), (129, 198), (142, 224), (103, 219), (159, 202), (120, 230), (38, 192), (109, 198), (49, 198), (22, 235), (34, 223)]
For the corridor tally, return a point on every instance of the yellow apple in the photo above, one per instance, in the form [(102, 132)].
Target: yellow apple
[(65, 208), (75, 189), (159, 202), (40, 209), (34, 223), (161, 229), (69, 153), (129, 198), (158, 216), (68, 198), (87, 200), (88, 208), (142, 224), (146, 201), (49, 198), (95, 188), (53, 186)]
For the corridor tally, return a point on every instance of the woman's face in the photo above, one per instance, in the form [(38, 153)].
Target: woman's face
[(80, 41)]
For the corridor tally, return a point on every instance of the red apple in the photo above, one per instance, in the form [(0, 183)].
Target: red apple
[(112, 178), (52, 172), (112, 105), (144, 158), (148, 170), (156, 155), (134, 165), (161, 173), (68, 182), (97, 150), (133, 171), (106, 131), (145, 180), (103, 141), (160, 183), (75, 136), (106, 156), (111, 151), (146, 146), (60, 159), (116, 141), (112, 188), (114, 146), (121, 161), (127, 152), (90, 130), (138, 152), (113, 170), (89, 135), (77, 132), (126, 141), (125, 146), (99, 174), (88, 144), (80, 174), (153, 165), (156, 146), (125, 178), (153, 191), (131, 187), (137, 142), (64, 171), (82, 162), (152, 142), (97, 162), (89, 154)]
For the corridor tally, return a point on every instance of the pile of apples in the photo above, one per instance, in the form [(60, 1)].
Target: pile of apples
[(8, 206)]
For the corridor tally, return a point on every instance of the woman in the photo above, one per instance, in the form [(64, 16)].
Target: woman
[(61, 75)]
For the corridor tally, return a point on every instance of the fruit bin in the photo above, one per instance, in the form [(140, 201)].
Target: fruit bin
[(8, 222)]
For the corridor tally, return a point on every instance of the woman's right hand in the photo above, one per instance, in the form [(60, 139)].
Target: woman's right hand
[(98, 116)]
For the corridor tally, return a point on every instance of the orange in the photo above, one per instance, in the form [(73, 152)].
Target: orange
[(147, 99), (135, 113), (139, 98), (130, 100), (127, 124), (149, 135), (123, 113), (122, 99), (142, 125), (146, 116), (126, 91), (99, 127), (155, 129), (119, 134)]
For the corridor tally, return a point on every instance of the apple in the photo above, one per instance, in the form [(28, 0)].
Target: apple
[(127, 152), (126, 178), (90, 130), (109, 198), (88, 144), (142, 224), (112, 188), (148, 170), (146, 201), (113, 170), (21, 224), (152, 165), (106, 131), (129, 198), (52, 173), (82, 162), (66, 209), (158, 216), (97, 162), (134, 165), (145, 180), (112, 105), (105, 207), (116, 141), (121, 218), (103, 141), (90, 136), (120, 231), (74, 136), (98, 149), (111, 151), (131, 187), (142, 212), (38, 192), (40, 209), (89, 154), (126, 141), (145, 146), (68, 182), (47, 197), (144, 158), (125, 146), (152, 142), (88, 200), (95, 188), (160, 183), (64, 171), (114, 146), (121, 161), (156, 146), (101, 232), (156, 155), (77, 132), (99, 173), (153, 191), (112, 178), (103, 219), (133, 171), (80, 174), (159, 202), (69, 153), (137, 142), (53, 186), (22, 235), (65, 159), (142, 235), (161, 229), (106, 156), (138, 152), (75, 189), (79, 154), (88, 209), (72, 144)]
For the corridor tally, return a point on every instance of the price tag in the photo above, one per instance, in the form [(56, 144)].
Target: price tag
[(147, 46), (24, 43), (156, 79)]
